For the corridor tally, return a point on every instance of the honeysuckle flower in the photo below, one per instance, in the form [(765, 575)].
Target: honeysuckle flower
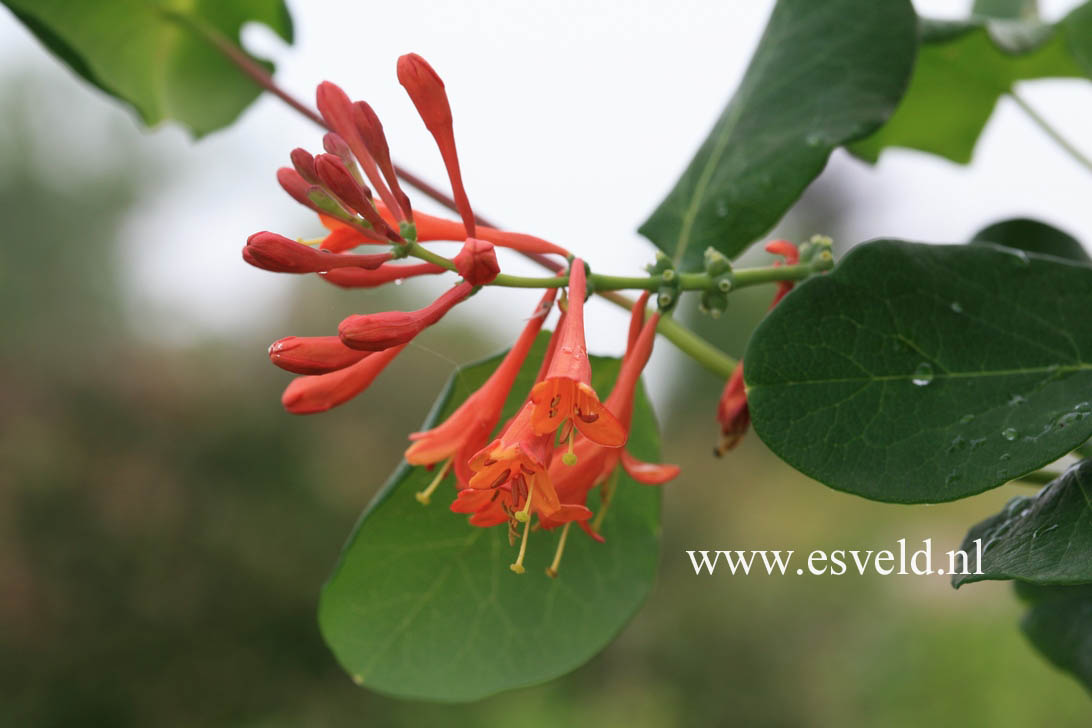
[(379, 331), (477, 262), (426, 90), (513, 469), (595, 463), (565, 396), (732, 412), (386, 273), (467, 429), (277, 253), (313, 354), (318, 393)]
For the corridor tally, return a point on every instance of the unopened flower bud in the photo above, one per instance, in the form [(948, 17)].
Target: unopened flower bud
[(277, 253), (477, 262), (379, 331), (313, 354), (305, 165)]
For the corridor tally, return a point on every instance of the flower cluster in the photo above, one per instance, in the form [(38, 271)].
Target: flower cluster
[(564, 441)]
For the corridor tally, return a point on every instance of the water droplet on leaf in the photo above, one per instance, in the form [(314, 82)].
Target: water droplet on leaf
[(1010, 434), (923, 375)]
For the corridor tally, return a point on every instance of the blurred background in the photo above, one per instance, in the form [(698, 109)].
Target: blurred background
[(165, 527)]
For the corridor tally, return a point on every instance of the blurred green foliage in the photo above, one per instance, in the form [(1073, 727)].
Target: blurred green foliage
[(165, 527)]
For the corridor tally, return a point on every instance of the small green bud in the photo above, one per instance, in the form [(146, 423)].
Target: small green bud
[(716, 263), (666, 298), (713, 303), (662, 264), (668, 275), (724, 284)]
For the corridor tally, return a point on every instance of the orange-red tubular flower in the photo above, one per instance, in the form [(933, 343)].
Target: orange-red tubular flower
[(566, 395), (360, 278), (277, 253), (477, 262), (313, 354), (595, 463), (337, 110), (732, 411), (371, 132), (518, 461), (426, 90), (379, 331), (467, 429), (311, 394)]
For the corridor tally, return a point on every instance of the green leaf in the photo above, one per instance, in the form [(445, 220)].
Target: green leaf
[(1046, 539), (922, 373), (154, 54), (1035, 237), (961, 73), (1059, 624), (423, 605), (816, 81)]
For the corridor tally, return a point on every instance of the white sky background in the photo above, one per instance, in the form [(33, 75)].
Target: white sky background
[(573, 119)]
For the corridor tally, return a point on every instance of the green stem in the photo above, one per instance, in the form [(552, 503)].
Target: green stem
[(1050, 131)]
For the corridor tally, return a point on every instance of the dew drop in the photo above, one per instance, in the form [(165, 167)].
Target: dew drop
[(923, 375), (397, 281), (977, 443), (966, 419), (1016, 400), (1005, 456), (1009, 434), (957, 444), (1068, 419), (956, 307)]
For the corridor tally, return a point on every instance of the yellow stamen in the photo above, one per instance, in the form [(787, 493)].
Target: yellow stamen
[(524, 514), (424, 497), (310, 241), (518, 566), (551, 570), (606, 495), (569, 458)]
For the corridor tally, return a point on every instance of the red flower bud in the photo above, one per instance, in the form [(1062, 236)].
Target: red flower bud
[(308, 395), (277, 253), (477, 262), (337, 179), (305, 165), (732, 412), (371, 132), (380, 331), (427, 92), (360, 278), (313, 354), (296, 186)]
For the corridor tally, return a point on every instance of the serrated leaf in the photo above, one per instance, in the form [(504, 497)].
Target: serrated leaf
[(1045, 539), (1033, 236), (962, 72), (1059, 624), (921, 373), (423, 605), (816, 81), (150, 53)]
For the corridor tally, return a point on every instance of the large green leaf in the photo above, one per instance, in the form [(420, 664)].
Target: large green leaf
[(1034, 237), (423, 605), (155, 54), (1059, 624), (922, 373), (963, 69), (824, 73), (1046, 539)]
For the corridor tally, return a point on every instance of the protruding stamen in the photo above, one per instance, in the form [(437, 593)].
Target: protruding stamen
[(524, 514), (424, 497), (569, 458), (551, 570), (518, 565)]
